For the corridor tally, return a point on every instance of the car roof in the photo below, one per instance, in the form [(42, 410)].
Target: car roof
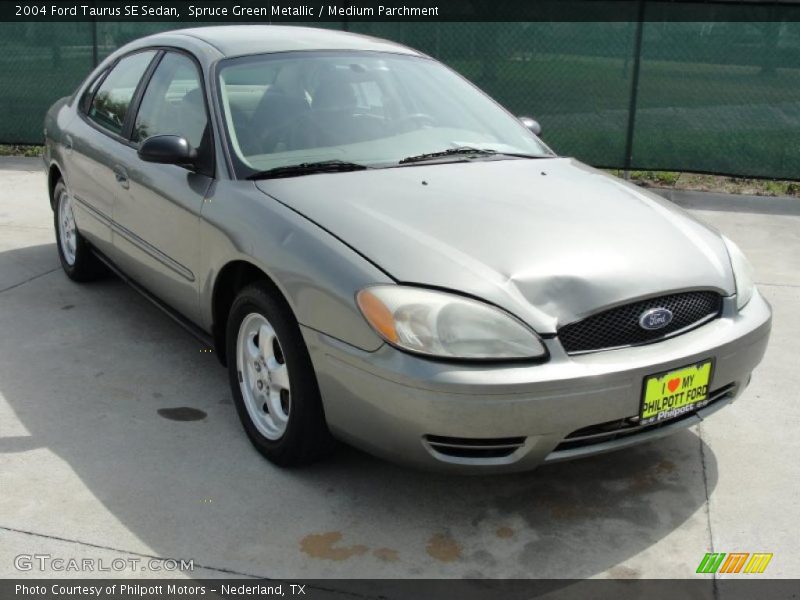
[(239, 40)]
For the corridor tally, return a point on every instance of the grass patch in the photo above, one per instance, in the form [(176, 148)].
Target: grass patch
[(29, 151), (673, 179), (712, 183)]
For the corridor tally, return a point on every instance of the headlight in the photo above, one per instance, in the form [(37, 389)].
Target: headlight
[(742, 273), (446, 325)]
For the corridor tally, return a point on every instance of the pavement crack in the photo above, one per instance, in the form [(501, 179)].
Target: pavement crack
[(714, 586), (16, 285), (786, 285)]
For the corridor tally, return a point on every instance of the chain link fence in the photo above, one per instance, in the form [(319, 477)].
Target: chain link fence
[(716, 97)]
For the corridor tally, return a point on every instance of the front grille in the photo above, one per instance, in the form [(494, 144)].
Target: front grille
[(474, 448), (629, 427), (618, 327)]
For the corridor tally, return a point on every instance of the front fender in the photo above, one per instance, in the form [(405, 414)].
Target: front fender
[(317, 273)]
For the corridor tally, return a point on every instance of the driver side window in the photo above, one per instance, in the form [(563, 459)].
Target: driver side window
[(173, 104)]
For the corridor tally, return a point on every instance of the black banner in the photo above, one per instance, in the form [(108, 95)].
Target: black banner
[(309, 11), (702, 588)]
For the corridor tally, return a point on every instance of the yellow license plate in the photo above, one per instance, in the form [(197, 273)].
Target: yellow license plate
[(672, 394)]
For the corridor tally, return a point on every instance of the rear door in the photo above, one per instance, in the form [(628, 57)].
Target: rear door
[(97, 145), (158, 213)]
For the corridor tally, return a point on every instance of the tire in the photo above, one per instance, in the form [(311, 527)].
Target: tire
[(282, 415), (74, 253)]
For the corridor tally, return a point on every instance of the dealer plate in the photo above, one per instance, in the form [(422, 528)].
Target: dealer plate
[(674, 393)]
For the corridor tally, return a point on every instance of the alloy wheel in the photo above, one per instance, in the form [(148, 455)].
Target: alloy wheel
[(67, 232), (263, 376)]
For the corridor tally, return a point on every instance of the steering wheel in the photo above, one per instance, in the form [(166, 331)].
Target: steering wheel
[(367, 115), (288, 133)]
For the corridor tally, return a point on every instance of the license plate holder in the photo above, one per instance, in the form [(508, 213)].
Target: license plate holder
[(670, 394)]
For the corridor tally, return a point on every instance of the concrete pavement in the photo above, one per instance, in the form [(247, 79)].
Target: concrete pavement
[(90, 468)]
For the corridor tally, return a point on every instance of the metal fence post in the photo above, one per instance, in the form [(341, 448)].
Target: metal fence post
[(95, 52), (637, 60)]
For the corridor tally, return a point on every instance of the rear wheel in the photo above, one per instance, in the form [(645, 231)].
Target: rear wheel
[(74, 253), (273, 381)]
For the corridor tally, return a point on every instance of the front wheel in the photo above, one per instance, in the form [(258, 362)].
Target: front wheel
[(273, 381), (74, 253)]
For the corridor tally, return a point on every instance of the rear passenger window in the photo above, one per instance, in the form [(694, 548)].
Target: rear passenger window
[(88, 94), (113, 97)]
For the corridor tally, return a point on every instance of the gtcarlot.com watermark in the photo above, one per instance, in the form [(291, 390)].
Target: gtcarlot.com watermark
[(61, 564)]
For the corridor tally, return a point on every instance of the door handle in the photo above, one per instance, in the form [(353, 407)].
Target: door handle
[(121, 175)]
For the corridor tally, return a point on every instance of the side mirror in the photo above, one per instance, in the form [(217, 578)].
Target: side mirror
[(531, 124), (168, 150)]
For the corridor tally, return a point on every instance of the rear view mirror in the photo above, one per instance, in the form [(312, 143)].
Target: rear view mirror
[(531, 124), (168, 150)]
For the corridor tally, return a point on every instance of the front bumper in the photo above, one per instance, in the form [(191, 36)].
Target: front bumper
[(426, 413)]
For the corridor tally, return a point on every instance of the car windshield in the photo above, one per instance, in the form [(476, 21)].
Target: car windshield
[(369, 108)]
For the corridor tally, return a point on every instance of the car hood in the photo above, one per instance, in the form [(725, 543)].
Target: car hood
[(550, 240)]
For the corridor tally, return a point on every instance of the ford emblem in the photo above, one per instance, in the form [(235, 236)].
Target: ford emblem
[(655, 318)]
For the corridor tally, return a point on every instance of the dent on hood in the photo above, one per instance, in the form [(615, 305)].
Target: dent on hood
[(550, 241)]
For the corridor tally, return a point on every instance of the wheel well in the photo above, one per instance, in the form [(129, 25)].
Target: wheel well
[(231, 280), (53, 176)]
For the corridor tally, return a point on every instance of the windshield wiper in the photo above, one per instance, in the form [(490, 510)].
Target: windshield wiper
[(308, 168), (466, 151), (459, 151)]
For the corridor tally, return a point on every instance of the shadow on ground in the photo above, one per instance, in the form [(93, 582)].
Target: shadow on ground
[(86, 370)]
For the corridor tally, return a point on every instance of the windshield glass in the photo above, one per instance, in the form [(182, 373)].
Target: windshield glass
[(368, 108)]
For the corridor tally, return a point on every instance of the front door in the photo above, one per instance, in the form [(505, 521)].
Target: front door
[(96, 146), (158, 214)]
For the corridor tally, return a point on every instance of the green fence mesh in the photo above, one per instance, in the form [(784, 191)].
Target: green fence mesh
[(721, 97)]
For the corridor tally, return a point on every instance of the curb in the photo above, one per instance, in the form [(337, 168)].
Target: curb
[(21, 163), (766, 205)]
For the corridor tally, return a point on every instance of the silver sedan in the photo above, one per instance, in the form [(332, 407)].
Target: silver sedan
[(381, 254)]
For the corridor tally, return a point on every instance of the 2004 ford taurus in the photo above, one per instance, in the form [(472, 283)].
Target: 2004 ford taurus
[(381, 254)]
